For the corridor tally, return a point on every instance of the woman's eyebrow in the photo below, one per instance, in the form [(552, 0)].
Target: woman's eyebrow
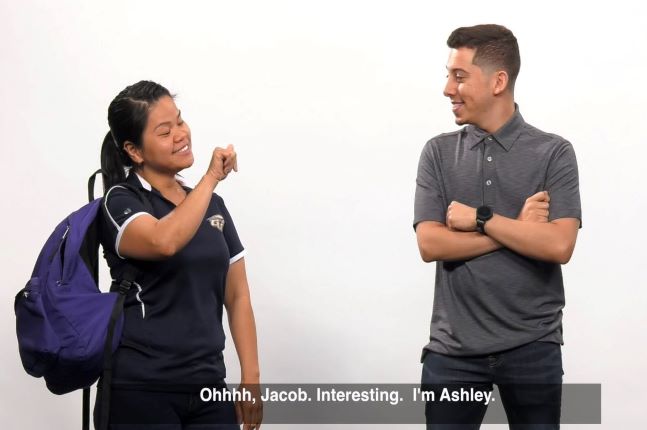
[(168, 123)]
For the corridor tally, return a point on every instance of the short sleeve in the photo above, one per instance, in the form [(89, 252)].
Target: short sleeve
[(562, 184), (429, 203), (120, 207), (236, 249)]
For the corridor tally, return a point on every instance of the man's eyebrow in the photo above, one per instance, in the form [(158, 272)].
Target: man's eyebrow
[(458, 69), (168, 123)]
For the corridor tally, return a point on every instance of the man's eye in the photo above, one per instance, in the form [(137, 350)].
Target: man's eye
[(166, 133)]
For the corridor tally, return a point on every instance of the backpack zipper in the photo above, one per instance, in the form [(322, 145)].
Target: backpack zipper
[(60, 244)]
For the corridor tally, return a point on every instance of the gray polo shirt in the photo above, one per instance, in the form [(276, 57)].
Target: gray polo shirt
[(502, 299)]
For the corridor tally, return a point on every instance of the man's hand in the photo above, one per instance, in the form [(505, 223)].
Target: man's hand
[(460, 217), (536, 208)]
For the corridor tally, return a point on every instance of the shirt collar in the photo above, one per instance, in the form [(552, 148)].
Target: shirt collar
[(505, 136), (138, 180)]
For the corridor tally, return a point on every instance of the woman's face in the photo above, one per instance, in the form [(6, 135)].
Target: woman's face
[(166, 140)]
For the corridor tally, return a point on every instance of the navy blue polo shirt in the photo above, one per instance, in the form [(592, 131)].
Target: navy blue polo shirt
[(173, 334)]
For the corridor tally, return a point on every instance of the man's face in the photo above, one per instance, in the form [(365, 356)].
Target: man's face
[(469, 88)]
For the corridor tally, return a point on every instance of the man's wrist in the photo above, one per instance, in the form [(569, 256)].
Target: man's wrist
[(483, 215)]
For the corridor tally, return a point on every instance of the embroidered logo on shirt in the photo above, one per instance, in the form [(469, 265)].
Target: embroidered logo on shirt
[(216, 221)]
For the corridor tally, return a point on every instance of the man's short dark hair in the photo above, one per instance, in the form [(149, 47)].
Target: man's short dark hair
[(494, 45)]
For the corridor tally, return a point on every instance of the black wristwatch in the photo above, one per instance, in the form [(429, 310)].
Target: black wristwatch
[(483, 214)]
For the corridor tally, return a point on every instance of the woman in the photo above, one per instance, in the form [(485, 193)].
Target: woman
[(190, 262)]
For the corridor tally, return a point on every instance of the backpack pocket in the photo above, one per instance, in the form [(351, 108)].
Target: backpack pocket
[(38, 343)]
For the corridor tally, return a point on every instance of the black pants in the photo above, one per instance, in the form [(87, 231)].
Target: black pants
[(529, 379), (163, 410)]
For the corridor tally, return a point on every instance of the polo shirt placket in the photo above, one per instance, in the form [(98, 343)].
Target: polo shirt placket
[(489, 173)]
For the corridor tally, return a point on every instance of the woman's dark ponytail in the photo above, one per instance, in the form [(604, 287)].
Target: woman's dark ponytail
[(112, 165), (127, 118)]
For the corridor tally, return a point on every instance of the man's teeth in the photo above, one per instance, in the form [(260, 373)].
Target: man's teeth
[(183, 149)]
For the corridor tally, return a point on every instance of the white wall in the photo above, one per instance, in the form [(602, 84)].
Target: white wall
[(328, 105)]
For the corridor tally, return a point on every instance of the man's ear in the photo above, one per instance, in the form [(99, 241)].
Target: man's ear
[(133, 152), (501, 81)]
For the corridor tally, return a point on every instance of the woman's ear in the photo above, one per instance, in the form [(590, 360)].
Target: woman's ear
[(133, 152)]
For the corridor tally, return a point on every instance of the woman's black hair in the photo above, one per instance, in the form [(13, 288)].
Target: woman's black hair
[(127, 118)]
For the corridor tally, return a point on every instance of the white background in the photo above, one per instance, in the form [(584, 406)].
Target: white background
[(328, 105)]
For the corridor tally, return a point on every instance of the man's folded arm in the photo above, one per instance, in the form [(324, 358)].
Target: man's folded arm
[(552, 241), (436, 242)]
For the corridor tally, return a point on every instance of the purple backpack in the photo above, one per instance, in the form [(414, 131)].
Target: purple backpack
[(67, 328)]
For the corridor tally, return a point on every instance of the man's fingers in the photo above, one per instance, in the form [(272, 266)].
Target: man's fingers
[(539, 197), (536, 213), (536, 197), (536, 206)]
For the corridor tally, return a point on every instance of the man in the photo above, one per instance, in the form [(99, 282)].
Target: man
[(497, 207)]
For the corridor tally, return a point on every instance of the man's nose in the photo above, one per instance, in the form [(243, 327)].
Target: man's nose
[(450, 88)]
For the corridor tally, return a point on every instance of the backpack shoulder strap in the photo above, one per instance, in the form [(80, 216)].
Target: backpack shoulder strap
[(91, 182), (142, 196), (128, 277)]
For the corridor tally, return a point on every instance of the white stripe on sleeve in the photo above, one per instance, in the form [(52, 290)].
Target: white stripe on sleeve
[(237, 257), (121, 229)]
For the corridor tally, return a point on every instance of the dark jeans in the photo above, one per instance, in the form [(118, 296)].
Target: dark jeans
[(161, 410), (529, 379)]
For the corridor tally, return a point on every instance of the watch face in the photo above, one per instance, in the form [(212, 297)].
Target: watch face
[(484, 212)]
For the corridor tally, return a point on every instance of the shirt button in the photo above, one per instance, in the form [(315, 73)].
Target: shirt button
[(489, 138), (488, 182), (489, 158)]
